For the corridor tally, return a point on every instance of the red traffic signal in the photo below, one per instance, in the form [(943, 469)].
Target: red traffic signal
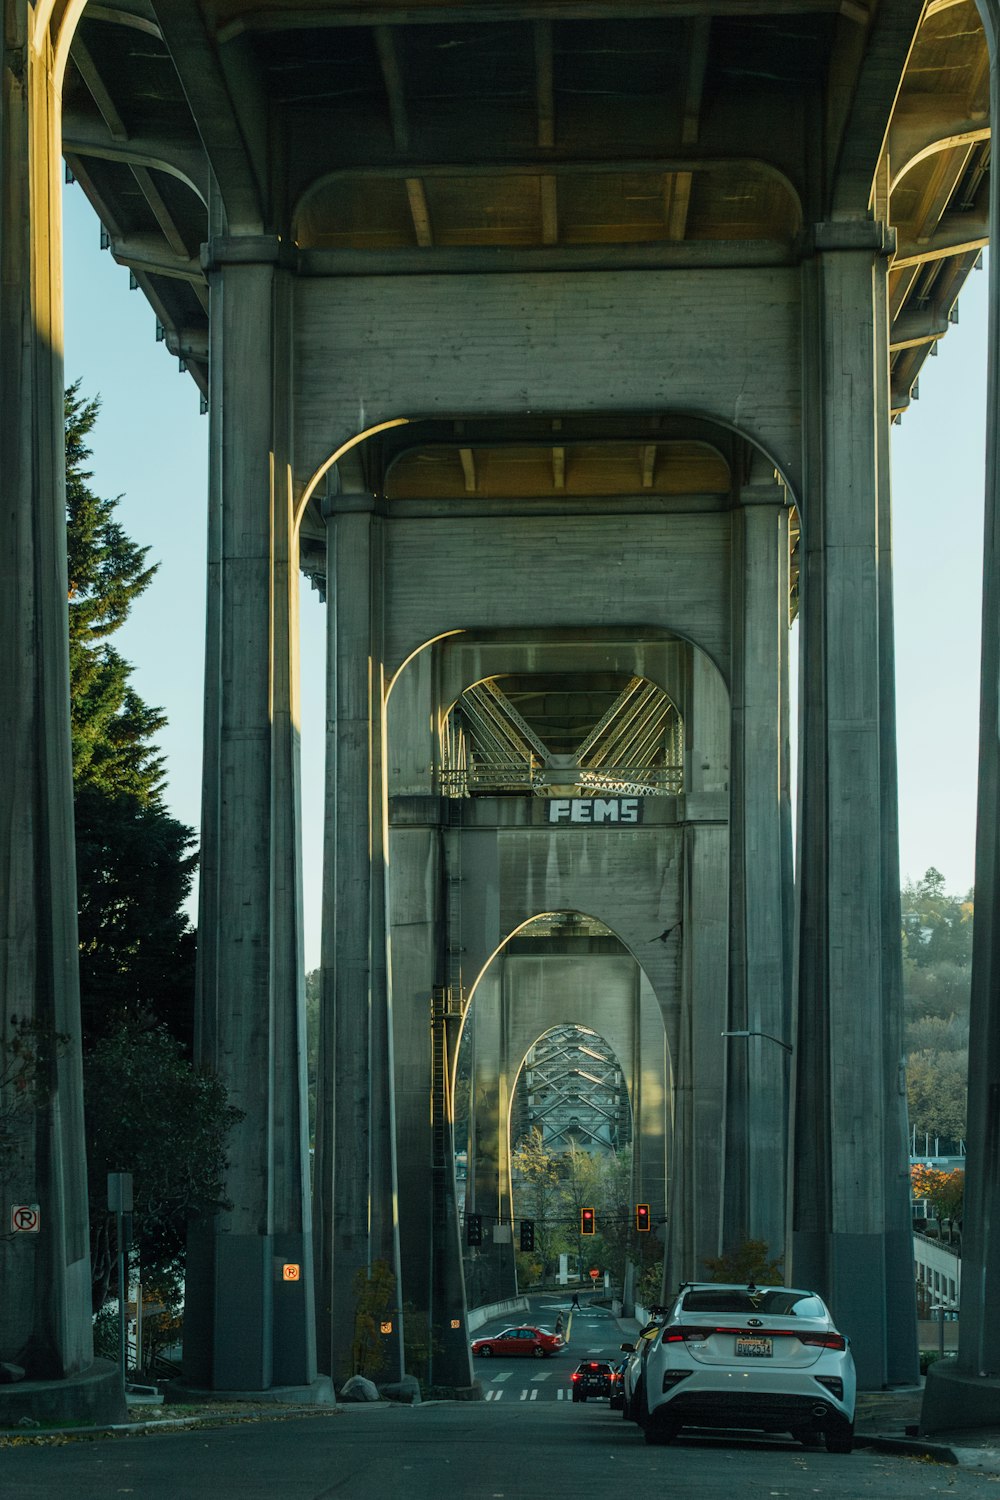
[(642, 1218), (587, 1221)]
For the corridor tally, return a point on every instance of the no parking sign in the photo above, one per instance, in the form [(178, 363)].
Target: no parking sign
[(25, 1218)]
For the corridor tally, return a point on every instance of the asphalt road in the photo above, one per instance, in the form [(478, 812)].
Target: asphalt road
[(592, 1333), (461, 1451)]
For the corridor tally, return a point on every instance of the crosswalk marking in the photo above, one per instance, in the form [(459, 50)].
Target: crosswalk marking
[(527, 1395), (504, 1375), (493, 1395)]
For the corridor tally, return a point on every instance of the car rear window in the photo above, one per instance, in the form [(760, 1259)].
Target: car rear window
[(776, 1302)]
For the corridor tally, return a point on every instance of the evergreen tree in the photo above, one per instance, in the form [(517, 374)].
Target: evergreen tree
[(134, 861), (149, 1112)]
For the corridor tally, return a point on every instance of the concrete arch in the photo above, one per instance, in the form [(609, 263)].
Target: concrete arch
[(749, 166), (501, 947), (968, 137), (352, 439), (519, 995)]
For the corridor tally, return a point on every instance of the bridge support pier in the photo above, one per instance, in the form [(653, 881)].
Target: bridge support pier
[(760, 952), (963, 1392), (355, 1178), (45, 1311), (846, 1199), (250, 1318)]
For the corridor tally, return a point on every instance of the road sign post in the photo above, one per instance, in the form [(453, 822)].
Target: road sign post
[(120, 1204)]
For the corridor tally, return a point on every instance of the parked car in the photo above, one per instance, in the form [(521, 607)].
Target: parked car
[(765, 1358), (617, 1400), (635, 1363), (538, 1342), (591, 1378)]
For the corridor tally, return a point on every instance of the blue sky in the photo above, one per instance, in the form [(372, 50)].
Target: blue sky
[(150, 448)]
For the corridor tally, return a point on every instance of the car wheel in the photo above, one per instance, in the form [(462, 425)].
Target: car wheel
[(539, 1352), (839, 1439), (485, 1352)]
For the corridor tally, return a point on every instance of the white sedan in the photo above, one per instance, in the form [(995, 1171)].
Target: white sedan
[(768, 1359)]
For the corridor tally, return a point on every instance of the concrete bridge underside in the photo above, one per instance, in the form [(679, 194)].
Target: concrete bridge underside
[(548, 340)]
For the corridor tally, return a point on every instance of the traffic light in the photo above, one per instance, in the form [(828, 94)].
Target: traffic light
[(527, 1234), (642, 1218), (587, 1221), (473, 1229)]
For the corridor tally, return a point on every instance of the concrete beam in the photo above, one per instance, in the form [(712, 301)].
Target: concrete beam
[(194, 52)]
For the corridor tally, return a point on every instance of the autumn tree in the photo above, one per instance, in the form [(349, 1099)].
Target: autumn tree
[(944, 1191), (538, 1196)]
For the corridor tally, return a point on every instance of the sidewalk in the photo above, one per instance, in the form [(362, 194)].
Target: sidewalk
[(888, 1421)]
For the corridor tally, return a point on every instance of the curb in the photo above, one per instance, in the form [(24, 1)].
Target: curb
[(126, 1429), (941, 1453)]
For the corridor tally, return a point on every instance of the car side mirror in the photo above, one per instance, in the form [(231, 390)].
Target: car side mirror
[(627, 1348)]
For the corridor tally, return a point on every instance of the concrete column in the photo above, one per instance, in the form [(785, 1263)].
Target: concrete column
[(651, 1101), (757, 1078), (697, 1176), (45, 1322), (490, 1273), (250, 1326), (966, 1394), (840, 1195), (429, 1231), (355, 1179), (902, 1356)]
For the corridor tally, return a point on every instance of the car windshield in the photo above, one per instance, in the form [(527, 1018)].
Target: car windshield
[(776, 1302)]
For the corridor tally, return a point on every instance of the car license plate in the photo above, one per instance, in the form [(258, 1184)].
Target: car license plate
[(752, 1347)]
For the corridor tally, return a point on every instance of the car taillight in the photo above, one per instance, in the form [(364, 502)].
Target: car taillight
[(688, 1335), (575, 1375), (824, 1340)]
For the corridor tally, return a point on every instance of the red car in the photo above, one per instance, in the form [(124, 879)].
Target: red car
[(536, 1341)]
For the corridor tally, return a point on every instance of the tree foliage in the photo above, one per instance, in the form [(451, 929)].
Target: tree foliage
[(937, 927), (134, 861), (149, 1112), (937, 956), (374, 1300), (28, 1049), (936, 1086), (552, 1188), (944, 1191), (107, 572), (749, 1261)]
